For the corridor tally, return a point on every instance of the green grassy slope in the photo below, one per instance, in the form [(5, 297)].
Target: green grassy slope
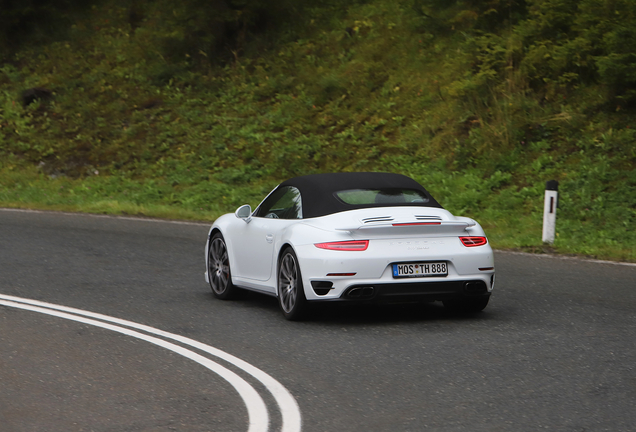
[(481, 110)]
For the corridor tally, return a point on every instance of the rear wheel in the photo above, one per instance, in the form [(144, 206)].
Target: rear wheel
[(467, 305), (219, 268), (291, 295)]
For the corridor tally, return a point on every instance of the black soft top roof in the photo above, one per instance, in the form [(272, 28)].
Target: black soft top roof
[(318, 190)]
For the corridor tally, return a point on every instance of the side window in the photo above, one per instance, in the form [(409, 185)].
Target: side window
[(283, 203)]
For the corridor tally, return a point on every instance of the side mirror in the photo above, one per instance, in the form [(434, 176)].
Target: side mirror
[(244, 212)]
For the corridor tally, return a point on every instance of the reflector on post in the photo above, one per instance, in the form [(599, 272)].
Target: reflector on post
[(549, 210)]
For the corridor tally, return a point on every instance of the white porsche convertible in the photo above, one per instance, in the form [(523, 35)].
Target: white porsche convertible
[(350, 237)]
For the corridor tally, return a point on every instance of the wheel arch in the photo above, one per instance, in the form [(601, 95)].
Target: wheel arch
[(284, 246), (213, 231)]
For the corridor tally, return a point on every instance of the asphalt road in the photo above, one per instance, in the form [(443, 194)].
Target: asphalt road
[(554, 350)]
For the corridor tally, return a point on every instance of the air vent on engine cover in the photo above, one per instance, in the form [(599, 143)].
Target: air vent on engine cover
[(427, 218), (377, 219)]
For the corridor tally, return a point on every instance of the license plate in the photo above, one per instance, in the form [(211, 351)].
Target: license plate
[(422, 269)]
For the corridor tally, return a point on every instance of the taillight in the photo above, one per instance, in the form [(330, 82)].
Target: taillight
[(473, 241), (353, 245)]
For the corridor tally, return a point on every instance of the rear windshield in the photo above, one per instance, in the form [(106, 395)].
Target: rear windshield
[(381, 196)]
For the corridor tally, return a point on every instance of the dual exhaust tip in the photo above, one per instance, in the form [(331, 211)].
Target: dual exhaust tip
[(475, 287), (361, 292)]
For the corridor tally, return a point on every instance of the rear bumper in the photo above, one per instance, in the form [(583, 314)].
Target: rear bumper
[(368, 276)]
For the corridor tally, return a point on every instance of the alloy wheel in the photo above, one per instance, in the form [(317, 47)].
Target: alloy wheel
[(219, 266), (288, 282)]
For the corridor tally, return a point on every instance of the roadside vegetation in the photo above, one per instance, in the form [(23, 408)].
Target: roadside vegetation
[(189, 110)]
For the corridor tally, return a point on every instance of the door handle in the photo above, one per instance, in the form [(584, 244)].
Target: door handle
[(269, 238)]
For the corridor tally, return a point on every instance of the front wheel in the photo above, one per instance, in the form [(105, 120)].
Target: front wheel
[(467, 305), (291, 295), (219, 268)]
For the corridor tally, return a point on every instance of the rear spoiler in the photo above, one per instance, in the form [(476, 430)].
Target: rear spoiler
[(401, 225)]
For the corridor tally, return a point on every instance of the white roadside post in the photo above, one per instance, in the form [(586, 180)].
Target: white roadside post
[(549, 211)]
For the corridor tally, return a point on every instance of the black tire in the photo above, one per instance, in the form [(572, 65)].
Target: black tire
[(291, 295), (219, 269), (467, 305)]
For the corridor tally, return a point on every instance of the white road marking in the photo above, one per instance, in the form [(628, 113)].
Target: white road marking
[(257, 412)]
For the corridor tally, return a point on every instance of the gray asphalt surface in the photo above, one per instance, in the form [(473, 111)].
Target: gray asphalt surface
[(554, 350)]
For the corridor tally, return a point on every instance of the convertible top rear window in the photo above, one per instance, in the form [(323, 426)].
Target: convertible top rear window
[(324, 194), (388, 196)]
